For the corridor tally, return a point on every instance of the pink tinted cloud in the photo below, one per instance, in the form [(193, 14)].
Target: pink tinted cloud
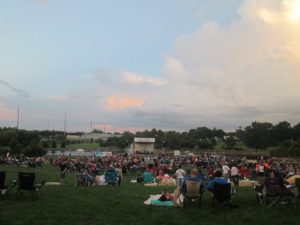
[(7, 114), (115, 102)]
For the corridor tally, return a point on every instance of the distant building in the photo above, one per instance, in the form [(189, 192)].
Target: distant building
[(143, 145), (73, 137), (93, 136), (97, 136)]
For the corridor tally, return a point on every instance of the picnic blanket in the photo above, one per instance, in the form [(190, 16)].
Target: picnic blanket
[(154, 200), (246, 183), (52, 183)]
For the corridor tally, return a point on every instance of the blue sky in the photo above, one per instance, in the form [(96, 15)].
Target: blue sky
[(129, 64)]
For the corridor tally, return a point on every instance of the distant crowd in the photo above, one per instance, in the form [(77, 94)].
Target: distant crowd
[(161, 164)]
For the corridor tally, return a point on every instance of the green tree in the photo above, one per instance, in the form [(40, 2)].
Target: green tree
[(257, 135), (230, 142)]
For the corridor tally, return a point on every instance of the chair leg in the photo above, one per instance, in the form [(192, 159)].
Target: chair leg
[(274, 201)]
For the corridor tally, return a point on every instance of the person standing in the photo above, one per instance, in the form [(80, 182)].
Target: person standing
[(225, 170), (179, 174), (62, 171), (234, 173)]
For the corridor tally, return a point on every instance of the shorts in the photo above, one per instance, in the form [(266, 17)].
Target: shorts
[(235, 180)]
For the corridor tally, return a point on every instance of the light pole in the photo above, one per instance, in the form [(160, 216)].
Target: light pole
[(164, 145)]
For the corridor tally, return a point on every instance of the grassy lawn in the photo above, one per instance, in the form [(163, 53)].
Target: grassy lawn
[(63, 205)]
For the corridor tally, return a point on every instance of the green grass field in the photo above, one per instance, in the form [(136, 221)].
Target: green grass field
[(64, 205)]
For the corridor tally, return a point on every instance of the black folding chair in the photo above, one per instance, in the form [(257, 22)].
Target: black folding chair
[(274, 192), (26, 183), (221, 194), (4, 188)]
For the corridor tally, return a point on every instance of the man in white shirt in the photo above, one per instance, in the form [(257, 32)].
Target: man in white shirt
[(179, 174), (225, 171)]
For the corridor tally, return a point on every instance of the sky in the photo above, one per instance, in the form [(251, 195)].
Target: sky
[(134, 65)]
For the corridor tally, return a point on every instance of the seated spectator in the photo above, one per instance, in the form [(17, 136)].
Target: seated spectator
[(210, 172), (166, 196), (192, 177), (200, 175), (160, 175), (217, 179), (148, 177)]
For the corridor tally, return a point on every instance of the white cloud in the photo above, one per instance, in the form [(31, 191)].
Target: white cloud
[(218, 76), (237, 74), (223, 76), (133, 78)]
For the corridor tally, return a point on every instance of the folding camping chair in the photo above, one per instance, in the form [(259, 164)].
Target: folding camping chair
[(4, 188), (259, 193), (82, 178), (221, 194), (112, 178), (26, 183), (193, 193), (274, 191), (297, 191)]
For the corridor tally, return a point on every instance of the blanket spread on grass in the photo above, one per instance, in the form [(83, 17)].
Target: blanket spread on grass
[(153, 200)]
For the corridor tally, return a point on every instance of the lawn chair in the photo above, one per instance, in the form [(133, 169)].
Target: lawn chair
[(297, 191), (259, 193), (82, 178), (111, 177), (4, 188), (193, 193), (221, 194), (274, 192), (26, 183)]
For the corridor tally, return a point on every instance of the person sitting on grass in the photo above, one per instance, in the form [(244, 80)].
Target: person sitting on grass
[(148, 177), (217, 179), (165, 196)]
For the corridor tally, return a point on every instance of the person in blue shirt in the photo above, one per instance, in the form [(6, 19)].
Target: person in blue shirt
[(192, 177), (200, 175), (217, 179)]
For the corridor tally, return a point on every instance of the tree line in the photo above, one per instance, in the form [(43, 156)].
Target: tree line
[(283, 138)]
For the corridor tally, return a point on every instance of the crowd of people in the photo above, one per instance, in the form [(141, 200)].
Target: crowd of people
[(206, 168), (23, 161)]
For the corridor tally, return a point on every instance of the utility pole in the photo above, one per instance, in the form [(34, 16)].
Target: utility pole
[(91, 126), (65, 124), (18, 117)]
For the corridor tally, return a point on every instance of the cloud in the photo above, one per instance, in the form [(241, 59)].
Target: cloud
[(19, 92), (133, 78), (218, 76), (271, 11), (120, 102), (62, 98), (227, 76)]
